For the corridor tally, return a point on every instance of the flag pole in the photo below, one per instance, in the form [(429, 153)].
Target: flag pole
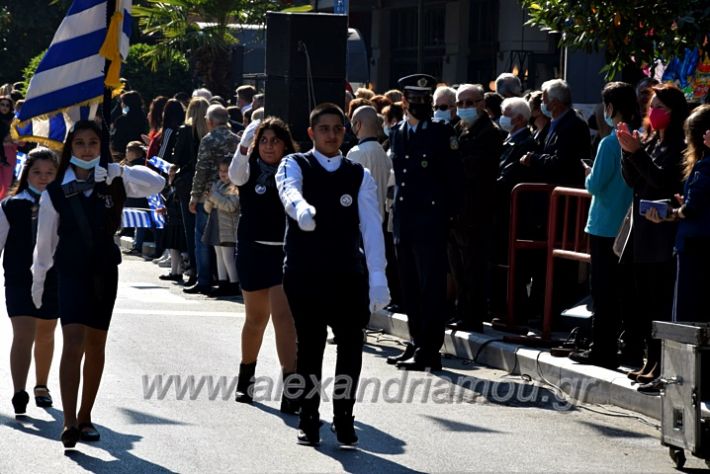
[(106, 105)]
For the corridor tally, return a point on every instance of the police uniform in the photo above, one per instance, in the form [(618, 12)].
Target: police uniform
[(426, 165), (76, 226), (325, 271), (18, 231)]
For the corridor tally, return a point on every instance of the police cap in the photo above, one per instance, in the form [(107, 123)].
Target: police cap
[(417, 84)]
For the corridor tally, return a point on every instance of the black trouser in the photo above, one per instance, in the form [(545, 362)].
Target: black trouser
[(391, 271), (469, 253), (341, 302), (606, 293), (422, 270), (693, 280), (188, 222), (653, 301)]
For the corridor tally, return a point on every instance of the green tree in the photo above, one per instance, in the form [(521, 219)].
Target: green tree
[(26, 28), (169, 77), (173, 26), (632, 32)]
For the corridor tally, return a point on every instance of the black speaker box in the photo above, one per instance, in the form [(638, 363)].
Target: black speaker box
[(290, 35), (287, 98)]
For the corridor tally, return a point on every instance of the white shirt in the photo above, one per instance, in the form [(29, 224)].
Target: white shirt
[(239, 168), (289, 181), (138, 181), (373, 158)]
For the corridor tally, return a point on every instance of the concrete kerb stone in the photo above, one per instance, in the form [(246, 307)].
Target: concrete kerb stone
[(588, 384)]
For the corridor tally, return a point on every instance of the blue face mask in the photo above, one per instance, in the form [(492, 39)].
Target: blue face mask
[(609, 121), (33, 189), (85, 165), (125, 110), (468, 115), (545, 111), (442, 116), (387, 131)]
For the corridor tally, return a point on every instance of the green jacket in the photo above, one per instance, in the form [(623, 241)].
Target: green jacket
[(217, 144)]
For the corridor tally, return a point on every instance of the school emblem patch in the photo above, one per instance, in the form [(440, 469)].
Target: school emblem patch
[(346, 200), (260, 189), (108, 200)]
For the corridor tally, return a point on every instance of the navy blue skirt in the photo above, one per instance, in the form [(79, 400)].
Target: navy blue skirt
[(18, 300), (259, 266), (88, 299)]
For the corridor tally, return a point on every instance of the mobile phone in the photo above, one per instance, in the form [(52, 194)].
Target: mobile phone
[(663, 206)]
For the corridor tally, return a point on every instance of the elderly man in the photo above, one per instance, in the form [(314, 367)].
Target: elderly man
[(245, 96), (567, 142), (508, 85), (445, 105), (217, 144), (471, 236)]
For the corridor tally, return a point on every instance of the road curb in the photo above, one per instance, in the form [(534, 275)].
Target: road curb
[(589, 384)]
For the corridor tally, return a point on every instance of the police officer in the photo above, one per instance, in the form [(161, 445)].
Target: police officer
[(426, 167)]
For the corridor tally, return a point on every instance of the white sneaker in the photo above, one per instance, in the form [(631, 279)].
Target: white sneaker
[(164, 263), (165, 255)]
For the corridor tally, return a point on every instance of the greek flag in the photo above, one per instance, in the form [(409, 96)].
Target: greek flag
[(156, 202), (20, 163), (161, 164), (135, 218), (69, 81)]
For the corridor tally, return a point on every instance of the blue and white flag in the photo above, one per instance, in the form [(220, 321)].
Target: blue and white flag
[(135, 218), (71, 73), (20, 163), (161, 164), (156, 202)]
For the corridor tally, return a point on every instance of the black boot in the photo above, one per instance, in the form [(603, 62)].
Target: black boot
[(19, 402), (289, 402), (309, 431), (344, 428), (222, 289), (245, 383)]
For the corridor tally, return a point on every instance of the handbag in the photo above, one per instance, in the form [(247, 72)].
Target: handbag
[(623, 236)]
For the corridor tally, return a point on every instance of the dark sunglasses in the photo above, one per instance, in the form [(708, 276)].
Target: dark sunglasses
[(442, 107)]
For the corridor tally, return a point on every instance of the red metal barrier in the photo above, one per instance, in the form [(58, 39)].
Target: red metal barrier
[(576, 249), (517, 244)]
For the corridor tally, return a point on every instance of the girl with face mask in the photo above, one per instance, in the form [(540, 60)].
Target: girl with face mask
[(79, 214), (654, 170), (30, 325)]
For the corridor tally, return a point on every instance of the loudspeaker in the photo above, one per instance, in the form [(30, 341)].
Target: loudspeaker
[(287, 98), (289, 36)]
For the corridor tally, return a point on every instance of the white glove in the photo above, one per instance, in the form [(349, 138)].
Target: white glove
[(37, 291), (305, 216), (100, 174), (379, 297)]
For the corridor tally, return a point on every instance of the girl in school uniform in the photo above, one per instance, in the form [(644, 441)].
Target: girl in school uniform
[(30, 326), (79, 214)]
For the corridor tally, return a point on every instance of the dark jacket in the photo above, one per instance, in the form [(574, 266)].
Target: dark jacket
[(696, 208), (511, 171), (184, 156), (480, 146), (128, 128), (566, 145), (428, 181), (653, 172)]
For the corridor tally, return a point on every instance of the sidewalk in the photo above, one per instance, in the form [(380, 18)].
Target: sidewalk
[(589, 384)]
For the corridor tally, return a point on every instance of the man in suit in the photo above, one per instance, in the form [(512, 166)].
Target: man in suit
[(567, 142), (471, 238), (424, 156)]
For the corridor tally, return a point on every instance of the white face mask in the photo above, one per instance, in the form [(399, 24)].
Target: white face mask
[(125, 110), (468, 115), (506, 123), (387, 131), (442, 116)]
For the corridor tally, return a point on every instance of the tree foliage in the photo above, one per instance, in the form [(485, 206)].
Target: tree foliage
[(632, 32), (168, 79), (173, 26), (26, 28)]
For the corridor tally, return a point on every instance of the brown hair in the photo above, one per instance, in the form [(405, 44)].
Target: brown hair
[(674, 99), (355, 103), (282, 132), (380, 102), (695, 127), (38, 154)]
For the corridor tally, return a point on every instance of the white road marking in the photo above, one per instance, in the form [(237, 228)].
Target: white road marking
[(169, 312)]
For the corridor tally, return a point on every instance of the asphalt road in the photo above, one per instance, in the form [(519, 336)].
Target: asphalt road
[(468, 418)]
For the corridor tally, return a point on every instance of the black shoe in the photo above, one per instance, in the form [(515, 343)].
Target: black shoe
[(192, 281), (466, 326), (309, 432), (88, 433), (344, 429), (589, 357), (197, 289), (226, 288), (245, 383), (433, 365), (132, 252), (171, 277), (652, 388), (20, 401), (407, 354), (42, 401), (70, 436)]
